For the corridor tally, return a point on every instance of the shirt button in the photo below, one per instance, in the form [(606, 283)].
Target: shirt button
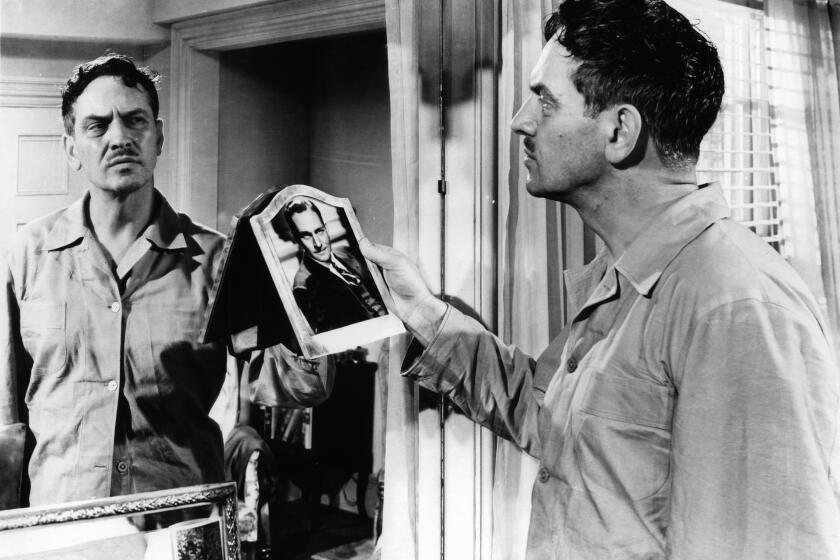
[(112, 385), (571, 364), (543, 474), (122, 467), (115, 307)]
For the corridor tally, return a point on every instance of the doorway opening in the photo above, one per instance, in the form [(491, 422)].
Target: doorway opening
[(316, 112)]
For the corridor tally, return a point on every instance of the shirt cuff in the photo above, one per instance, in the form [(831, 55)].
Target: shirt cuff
[(435, 367)]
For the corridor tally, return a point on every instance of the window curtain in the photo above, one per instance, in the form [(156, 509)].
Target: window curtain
[(803, 38)]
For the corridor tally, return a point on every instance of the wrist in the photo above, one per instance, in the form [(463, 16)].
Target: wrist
[(425, 319)]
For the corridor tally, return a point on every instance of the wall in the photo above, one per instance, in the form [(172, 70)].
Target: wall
[(121, 21)]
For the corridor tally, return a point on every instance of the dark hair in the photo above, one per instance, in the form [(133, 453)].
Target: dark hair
[(298, 206), (645, 53), (111, 64)]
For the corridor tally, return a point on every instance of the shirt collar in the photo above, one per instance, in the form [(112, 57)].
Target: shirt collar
[(668, 233), (654, 248), (165, 230), (72, 226)]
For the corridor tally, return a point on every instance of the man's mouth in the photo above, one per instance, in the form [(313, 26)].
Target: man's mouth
[(121, 160)]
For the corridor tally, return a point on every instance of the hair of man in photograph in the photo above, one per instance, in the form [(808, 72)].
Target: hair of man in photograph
[(645, 53), (112, 64)]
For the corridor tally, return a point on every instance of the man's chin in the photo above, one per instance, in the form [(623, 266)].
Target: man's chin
[(124, 188), (534, 187)]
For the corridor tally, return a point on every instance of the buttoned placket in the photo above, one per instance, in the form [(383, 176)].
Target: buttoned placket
[(115, 301), (590, 325)]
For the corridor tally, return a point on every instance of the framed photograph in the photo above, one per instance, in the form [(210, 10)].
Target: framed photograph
[(190, 523), (334, 298)]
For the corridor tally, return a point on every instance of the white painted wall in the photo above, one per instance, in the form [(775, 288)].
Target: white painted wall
[(124, 21)]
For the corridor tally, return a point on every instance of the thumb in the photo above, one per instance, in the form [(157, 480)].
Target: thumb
[(380, 254)]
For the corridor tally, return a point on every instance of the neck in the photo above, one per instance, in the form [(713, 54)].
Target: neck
[(619, 208), (118, 220)]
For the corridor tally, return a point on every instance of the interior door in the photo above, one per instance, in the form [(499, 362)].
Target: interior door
[(34, 176)]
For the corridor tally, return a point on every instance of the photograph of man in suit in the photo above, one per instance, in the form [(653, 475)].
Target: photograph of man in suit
[(332, 286)]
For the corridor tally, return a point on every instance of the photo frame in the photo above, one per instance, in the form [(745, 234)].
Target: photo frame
[(183, 523), (334, 298)]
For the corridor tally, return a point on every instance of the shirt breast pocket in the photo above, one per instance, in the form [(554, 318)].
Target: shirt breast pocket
[(44, 336), (623, 440)]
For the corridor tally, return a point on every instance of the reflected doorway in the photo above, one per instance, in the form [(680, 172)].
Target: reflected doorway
[(316, 112)]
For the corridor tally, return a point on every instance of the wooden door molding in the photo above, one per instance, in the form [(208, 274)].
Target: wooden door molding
[(194, 111), (30, 91)]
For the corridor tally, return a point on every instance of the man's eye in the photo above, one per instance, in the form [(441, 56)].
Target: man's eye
[(545, 105), (137, 121), (96, 128)]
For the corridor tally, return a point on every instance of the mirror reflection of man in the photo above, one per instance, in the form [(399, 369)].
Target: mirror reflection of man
[(331, 286), (100, 308)]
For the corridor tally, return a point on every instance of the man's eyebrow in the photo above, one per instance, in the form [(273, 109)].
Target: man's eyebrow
[(108, 116), (132, 112), (94, 118)]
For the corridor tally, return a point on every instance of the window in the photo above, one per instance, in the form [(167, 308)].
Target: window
[(737, 151)]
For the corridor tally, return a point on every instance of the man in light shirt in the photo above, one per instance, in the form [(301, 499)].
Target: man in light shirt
[(690, 408)]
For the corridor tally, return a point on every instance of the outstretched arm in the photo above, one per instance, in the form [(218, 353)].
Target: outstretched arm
[(490, 381)]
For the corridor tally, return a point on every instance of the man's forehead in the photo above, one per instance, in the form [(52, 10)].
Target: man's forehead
[(554, 63), (108, 91), (307, 217)]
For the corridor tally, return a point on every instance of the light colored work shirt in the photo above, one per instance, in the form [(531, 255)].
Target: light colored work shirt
[(104, 366), (689, 410)]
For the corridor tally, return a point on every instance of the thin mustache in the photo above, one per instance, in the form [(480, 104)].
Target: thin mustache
[(529, 145)]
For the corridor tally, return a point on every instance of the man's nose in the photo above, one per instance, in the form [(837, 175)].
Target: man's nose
[(523, 121), (118, 134)]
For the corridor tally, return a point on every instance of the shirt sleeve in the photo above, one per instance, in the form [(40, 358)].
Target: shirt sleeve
[(491, 382), (278, 377), (753, 437), (12, 430)]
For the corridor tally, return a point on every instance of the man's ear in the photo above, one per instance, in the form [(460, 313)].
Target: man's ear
[(628, 143), (159, 127), (70, 151)]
